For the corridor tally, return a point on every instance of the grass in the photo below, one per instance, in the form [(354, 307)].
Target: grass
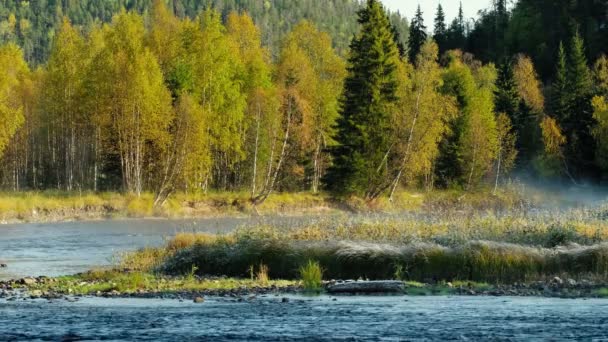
[(58, 206), (447, 246), (312, 276), (106, 281), (262, 275)]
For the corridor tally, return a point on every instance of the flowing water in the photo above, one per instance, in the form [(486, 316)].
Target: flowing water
[(309, 319)]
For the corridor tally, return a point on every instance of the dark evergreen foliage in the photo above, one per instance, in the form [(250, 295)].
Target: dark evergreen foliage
[(417, 36), (370, 89), (33, 24), (441, 30)]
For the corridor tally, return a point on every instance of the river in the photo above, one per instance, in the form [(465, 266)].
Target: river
[(309, 319), (54, 249)]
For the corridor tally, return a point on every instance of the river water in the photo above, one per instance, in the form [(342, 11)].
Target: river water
[(309, 319), (67, 248), (54, 249)]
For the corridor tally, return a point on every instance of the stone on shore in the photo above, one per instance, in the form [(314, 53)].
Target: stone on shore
[(199, 300), (27, 281), (365, 287)]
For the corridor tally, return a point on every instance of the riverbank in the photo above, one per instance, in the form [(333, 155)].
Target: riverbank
[(47, 207), (148, 286)]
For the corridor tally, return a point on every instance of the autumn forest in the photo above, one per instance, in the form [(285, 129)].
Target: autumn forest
[(179, 96)]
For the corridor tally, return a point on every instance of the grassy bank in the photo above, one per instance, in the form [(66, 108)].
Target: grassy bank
[(418, 247), (61, 206), (58, 206), (110, 281)]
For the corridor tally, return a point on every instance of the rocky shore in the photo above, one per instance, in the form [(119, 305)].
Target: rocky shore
[(43, 288)]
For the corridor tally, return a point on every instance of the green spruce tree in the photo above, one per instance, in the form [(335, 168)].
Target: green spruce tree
[(364, 126), (508, 101), (417, 36), (559, 89), (506, 96), (440, 33), (580, 121), (456, 35)]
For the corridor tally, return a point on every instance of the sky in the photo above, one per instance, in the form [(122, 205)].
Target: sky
[(407, 8)]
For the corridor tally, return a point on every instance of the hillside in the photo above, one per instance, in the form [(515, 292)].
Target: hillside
[(32, 24)]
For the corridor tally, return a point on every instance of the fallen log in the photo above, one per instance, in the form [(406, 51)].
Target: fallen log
[(367, 287)]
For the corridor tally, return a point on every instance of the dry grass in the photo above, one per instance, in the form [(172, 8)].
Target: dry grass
[(262, 275), (451, 246), (57, 205)]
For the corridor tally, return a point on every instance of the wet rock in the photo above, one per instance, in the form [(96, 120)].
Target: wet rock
[(285, 300), (27, 281), (571, 282), (199, 300), (368, 287), (557, 281), (36, 294), (3, 265)]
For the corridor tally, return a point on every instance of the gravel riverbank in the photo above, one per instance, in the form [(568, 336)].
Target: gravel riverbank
[(58, 289)]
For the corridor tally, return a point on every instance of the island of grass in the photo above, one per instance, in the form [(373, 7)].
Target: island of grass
[(541, 253)]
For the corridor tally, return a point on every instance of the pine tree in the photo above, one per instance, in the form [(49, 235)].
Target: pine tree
[(506, 96), (578, 125), (440, 33), (417, 36), (559, 90), (502, 23), (365, 123), (456, 35)]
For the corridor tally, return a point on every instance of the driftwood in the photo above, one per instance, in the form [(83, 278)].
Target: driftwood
[(367, 287)]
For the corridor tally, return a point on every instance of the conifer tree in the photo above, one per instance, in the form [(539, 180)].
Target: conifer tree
[(506, 96), (364, 126), (456, 35), (579, 121), (559, 89), (417, 36), (440, 32)]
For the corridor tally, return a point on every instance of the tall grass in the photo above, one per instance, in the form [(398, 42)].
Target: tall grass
[(262, 275), (312, 276), (57, 205), (449, 246), (480, 261)]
